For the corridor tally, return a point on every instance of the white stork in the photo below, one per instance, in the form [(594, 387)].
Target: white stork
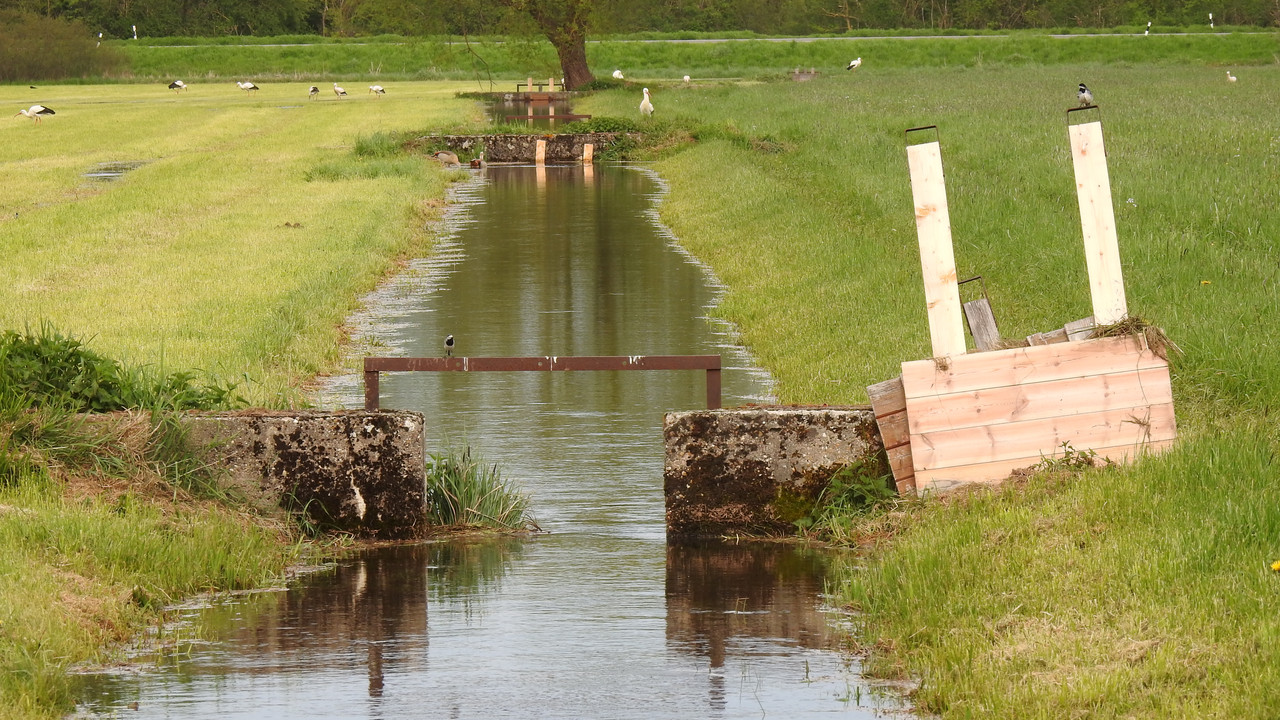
[(377, 91), (177, 85), (646, 107), (314, 91), (339, 91), (686, 79), (855, 63), (247, 87), (35, 111), (1230, 77), (617, 74), (1148, 30)]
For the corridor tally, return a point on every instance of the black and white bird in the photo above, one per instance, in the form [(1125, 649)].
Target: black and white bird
[(377, 90), (1148, 31), (247, 87), (1230, 77), (448, 346), (646, 107), (312, 92), (177, 85), (855, 64), (1085, 96), (35, 112), (339, 91)]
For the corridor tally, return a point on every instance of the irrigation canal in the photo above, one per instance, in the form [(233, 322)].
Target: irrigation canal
[(596, 618)]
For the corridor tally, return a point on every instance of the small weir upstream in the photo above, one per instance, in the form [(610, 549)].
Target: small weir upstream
[(597, 618)]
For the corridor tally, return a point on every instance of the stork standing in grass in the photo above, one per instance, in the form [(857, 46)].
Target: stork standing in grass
[(855, 64), (35, 112), (339, 91), (1148, 30), (1230, 77), (247, 87), (377, 91), (313, 92), (617, 75), (646, 107), (177, 85)]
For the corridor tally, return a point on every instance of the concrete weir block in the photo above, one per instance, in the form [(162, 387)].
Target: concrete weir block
[(754, 471), (354, 471)]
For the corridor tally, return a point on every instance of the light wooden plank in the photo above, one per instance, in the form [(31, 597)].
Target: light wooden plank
[(937, 258), (982, 324), (887, 397), (1035, 401), (900, 461), (588, 153), (945, 479), (1033, 438), (540, 156), (1098, 222), (1025, 365)]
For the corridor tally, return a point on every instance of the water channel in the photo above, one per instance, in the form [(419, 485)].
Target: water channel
[(596, 618)]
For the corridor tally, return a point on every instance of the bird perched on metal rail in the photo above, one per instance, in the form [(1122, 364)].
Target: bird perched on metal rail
[(377, 91), (448, 346), (35, 112), (1085, 96), (855, 64), (247, 87), (339, 91), (177, 85), (646, 107), (312, 92)]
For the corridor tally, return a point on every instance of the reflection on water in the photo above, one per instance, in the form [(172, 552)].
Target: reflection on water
[(599, 618), (535, 113)]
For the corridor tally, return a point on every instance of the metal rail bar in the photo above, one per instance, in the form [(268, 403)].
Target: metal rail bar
[(551, 363), (566, 116)]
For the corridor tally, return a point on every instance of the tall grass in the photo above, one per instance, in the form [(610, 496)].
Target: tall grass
[(466, 492)]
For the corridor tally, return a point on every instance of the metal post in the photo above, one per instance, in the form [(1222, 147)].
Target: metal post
[(713, 388), (370, 388)]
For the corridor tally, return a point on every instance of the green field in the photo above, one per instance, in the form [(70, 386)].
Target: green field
[(1142, 592)]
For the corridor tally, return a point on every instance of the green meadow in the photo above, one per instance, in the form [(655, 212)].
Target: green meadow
[(243, 240)]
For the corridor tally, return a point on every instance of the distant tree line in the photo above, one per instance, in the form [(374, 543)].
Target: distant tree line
[(159, 18)]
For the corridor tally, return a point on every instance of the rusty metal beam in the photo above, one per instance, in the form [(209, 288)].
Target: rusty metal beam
[(550, 363)]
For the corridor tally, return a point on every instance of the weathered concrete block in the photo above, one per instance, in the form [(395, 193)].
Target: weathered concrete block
[(745, 471), (354, 471)]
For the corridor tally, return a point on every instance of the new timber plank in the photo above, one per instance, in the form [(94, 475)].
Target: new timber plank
[(890, 407), (1098, 223), (948, 478), (1037, 400), (1033, 438), (937, 258), (1026, 365)]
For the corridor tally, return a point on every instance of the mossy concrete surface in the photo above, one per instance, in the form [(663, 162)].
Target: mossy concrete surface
[(348, 471), (744, 471)]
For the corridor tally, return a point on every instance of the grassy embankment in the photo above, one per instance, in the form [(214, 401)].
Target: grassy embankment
[(238, 249), (1141, 592)]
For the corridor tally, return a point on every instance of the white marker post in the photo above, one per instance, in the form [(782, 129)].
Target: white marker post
[(1098, 222), (937, 259)]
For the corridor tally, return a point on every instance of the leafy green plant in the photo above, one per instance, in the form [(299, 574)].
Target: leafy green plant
[(1072, 459), (854, 490), (463, 491)]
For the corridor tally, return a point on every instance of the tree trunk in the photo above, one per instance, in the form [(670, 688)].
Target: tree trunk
[(573, 62)]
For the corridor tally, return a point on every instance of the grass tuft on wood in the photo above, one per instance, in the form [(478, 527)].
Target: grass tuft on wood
[(466, 493)]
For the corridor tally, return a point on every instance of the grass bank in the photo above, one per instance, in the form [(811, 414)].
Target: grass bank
[(1140, 592), (508, 60)]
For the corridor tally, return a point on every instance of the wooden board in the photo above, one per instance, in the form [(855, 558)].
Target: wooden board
[(976, 417), (948, 478), (1025, 365), (1098, 222), (889, 404), (982, 324), (937, 259), (540, 153)]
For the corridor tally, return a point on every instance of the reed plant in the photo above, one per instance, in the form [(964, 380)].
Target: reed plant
[(464, 492)]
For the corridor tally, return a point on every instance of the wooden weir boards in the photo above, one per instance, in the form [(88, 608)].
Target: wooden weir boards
[(937, 258), (975, 418), (1098, 223)]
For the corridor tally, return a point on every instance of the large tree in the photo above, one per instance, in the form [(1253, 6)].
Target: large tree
[(565, 24)]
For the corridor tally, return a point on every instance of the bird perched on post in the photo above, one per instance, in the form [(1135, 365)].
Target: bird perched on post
[(247, 87), (312, 92), (855, 64), (646, 107), (377, 91), (1084, 96), (339, 91), (448, 345), (35, 112), (1230, 77), (177, 85)]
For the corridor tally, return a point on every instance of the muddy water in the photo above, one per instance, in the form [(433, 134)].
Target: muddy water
[(596, 618)]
